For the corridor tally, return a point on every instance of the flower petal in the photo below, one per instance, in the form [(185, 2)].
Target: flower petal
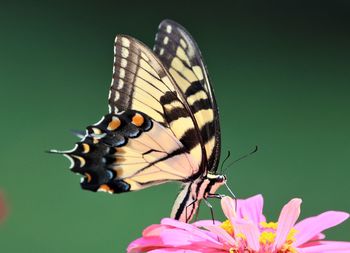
[(326, 246), (320, 236), (312, 226), (228, 206), (251, 208), (222, 234), (191, 229), (289, 215), (172, 233), (251, 232), (154, 230), (175, 250), (145, 244), (203, 223)]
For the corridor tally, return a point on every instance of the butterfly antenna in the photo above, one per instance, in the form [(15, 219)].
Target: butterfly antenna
[(228, 155), (230, 191), (233, 195), (242, 157)]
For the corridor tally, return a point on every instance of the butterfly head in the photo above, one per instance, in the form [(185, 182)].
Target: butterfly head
[(216, 179)]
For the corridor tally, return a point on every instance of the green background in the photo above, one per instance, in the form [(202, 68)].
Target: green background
[(281, 77)]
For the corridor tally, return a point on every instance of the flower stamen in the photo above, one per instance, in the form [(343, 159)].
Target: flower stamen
[(227, 226)]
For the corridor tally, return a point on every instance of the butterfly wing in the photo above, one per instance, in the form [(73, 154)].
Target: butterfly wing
[(180, 54), (170, 149), (129, 151), (140, 82)]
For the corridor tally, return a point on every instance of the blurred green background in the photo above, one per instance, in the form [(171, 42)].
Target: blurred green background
[(281, 77)]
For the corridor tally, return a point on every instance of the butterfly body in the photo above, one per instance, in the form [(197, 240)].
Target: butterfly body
[(162, 125), (193, 192)]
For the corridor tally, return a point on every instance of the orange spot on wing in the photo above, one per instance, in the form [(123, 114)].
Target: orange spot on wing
[(138, 119), (105, 188), (114, 124)]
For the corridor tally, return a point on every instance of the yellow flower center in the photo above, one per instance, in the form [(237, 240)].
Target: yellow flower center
[(227, 226), (267, 237), (272, 225)]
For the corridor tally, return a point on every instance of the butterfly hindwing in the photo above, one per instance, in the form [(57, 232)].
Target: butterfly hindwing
[(180, 54), (127, 152)]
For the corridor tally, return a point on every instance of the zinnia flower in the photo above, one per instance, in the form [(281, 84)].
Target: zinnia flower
[(245, 231)]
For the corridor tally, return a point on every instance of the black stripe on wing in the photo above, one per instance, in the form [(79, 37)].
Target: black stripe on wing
[(181, 56)]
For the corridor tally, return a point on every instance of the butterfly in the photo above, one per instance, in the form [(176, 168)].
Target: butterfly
[(162, 126)]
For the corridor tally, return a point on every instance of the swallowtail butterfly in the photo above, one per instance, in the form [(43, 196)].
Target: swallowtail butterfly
[(162, 125)]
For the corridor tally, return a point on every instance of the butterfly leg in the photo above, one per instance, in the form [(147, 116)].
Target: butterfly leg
[(220, 196), (216, 196), (197, 212), (190, 204), (211, 209)]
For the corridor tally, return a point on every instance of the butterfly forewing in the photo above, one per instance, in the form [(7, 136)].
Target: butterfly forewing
[(181, 56)]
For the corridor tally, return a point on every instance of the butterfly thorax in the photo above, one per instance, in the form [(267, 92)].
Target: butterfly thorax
[(213, 182)]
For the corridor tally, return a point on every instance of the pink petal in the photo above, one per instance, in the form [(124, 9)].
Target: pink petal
[(251, 232), (154, 230), (172, 233), (228, 206), (318, 237), (222, 234), (145, 244), (173, 237), (193, 230), (289, 215), (312, 226), (203, 223), (184, 239), (327, 246), (174, 250), (251, 208)]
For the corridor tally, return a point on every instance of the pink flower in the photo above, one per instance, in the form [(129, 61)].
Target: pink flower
[(246, 230)]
